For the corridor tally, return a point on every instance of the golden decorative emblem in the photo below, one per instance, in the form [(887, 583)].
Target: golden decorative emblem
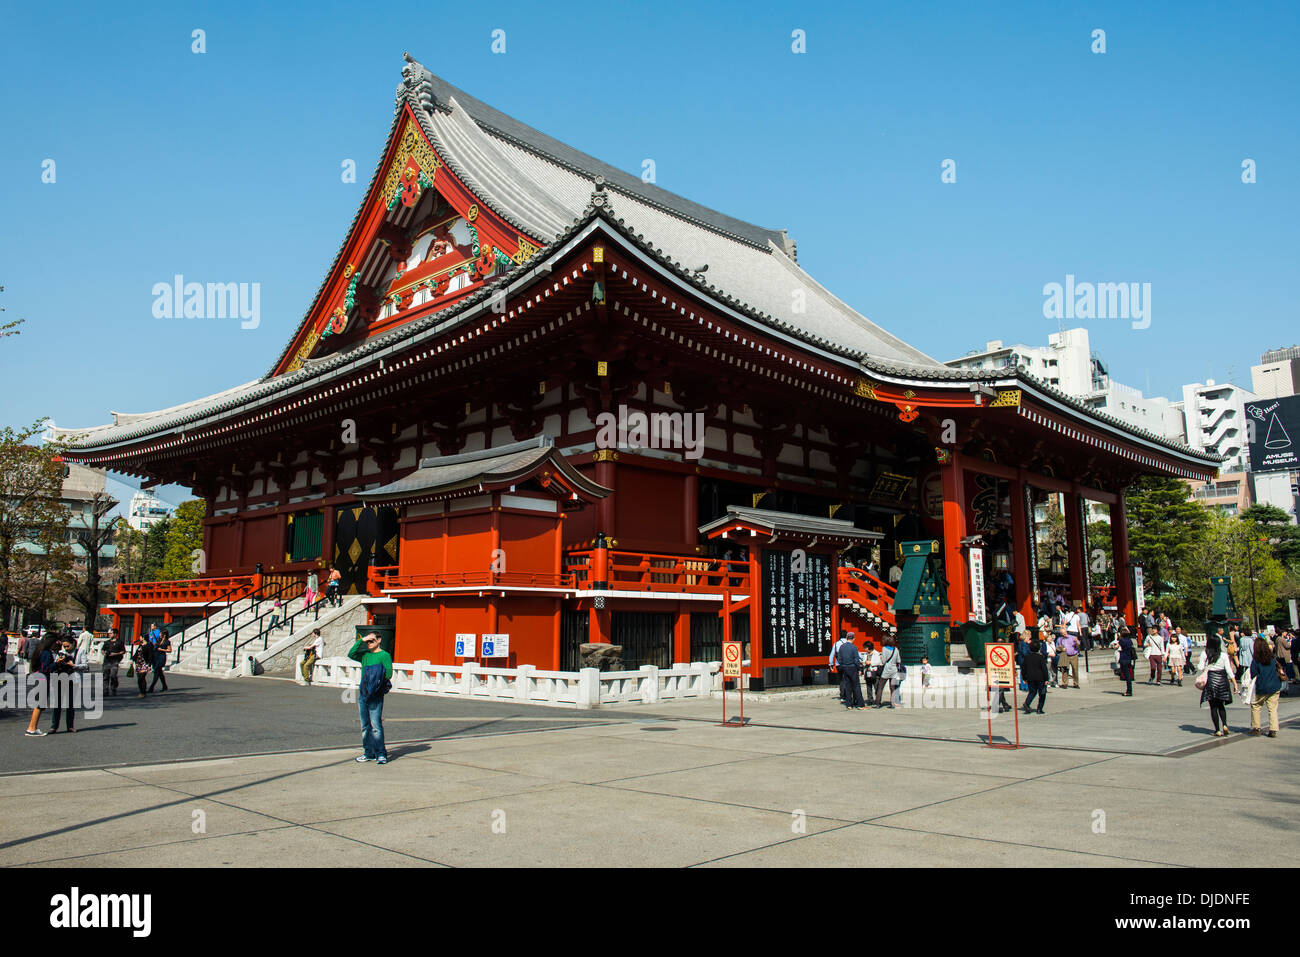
[(934, 634), (602, 368), (526, 251), (304, 352), (916, 548), (348, 270), (865, 388), (1007, 398), (411, 145), (473, 212), (909, 394), (604, 455), (598, 254), (934, 545)]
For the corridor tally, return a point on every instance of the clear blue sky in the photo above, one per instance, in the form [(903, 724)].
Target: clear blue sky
[(1122, 166)]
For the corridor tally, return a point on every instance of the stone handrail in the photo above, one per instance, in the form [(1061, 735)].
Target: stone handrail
[(526, 684)]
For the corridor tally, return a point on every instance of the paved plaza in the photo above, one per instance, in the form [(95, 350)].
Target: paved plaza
[(260, 772)]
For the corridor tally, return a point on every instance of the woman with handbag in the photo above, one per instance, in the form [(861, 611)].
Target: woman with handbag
[(1217, 682), (1267, 674), (142, 662)]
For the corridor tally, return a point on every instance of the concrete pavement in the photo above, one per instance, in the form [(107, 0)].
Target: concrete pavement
[(1106, 782)]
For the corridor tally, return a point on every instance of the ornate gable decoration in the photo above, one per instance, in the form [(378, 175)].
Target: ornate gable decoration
[(414, 157)]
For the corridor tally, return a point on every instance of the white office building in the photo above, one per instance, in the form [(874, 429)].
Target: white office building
[(1278, 373), (1068, 363), (1216, 421), (145, 510)]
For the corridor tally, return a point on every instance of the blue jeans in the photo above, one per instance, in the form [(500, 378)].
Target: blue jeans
[(372, 726)]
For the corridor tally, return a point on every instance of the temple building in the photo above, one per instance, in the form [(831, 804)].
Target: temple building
[(537, 397)]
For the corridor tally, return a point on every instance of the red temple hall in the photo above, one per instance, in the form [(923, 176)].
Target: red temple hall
[(537, 397)]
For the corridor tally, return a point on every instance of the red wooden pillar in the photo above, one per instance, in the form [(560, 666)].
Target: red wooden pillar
[(954, 530), (1119, 551), (691, 512), (1074, 546), (605, 507), (1021, 537), (682, 634)]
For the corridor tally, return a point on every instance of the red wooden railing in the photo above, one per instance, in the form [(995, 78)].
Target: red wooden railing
[(382, 577), (188, 591), (867, 591), (642, 571)]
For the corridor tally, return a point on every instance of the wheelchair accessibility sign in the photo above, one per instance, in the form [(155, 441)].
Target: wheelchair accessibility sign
[(465, 645), (496, 646)]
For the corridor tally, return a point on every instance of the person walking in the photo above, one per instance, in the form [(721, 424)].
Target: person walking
[(62, 698), (1267, 675), (114, 652), (333, 586), (160, 649), (833, 664), (1049, 649), (1127, 659), (315, 649), (142, 662), (40, 666), (1176, 659), (376, 681), (1154, 650), (1034, 671), (887, 671), (313, 586), (849, 661), (1283, 645), (1068, 656), (1217, 682)]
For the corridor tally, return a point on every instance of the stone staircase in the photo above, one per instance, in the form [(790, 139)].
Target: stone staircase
[(241, 623)]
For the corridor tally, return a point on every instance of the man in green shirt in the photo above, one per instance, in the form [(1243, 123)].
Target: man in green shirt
[(376, 672)]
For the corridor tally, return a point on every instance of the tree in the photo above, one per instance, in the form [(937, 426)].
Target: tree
[(1238, 548), (184, 537), (34, 548), (93, 538), (1283, 535), (1101, 568), (153, 556), (10, 328), (1164, 528)]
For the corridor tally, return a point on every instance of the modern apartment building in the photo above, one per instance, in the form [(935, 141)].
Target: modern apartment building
[(1215, 420), (1068, 363)]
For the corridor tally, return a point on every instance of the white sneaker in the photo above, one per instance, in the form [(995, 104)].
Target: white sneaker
[(363, 759), (38, 733)]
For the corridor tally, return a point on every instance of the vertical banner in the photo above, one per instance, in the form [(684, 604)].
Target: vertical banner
[(1032, 545), (1087, 562), (1139, 593), (1295, 622), (978, 604)]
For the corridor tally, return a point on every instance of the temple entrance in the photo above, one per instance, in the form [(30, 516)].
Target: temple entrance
[(360, 533)]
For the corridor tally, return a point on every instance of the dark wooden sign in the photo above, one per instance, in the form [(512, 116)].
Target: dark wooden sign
[(796, 604)]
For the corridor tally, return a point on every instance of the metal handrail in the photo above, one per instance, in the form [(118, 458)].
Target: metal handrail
[(207, 617), (256, 596), (265, 633)]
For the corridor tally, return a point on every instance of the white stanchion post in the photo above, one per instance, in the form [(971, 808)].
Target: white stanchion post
[(649, 684), (588, 688), (524, 683)]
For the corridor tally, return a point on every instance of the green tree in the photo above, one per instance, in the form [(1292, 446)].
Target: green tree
[(153, 555), (1240, 549), (1101, 568), (184, 537), (34, 549), (1282, 534), (1164, 528)]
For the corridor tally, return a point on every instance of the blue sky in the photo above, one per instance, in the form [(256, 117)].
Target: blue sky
[(225, 166)]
